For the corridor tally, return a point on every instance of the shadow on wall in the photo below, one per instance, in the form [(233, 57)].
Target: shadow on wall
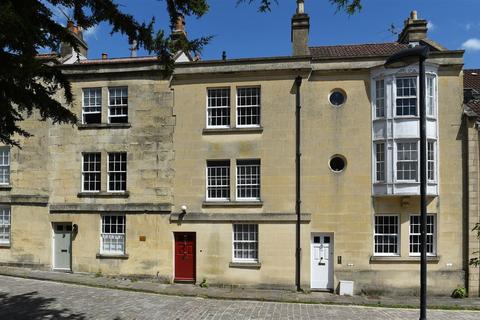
[(31, 306)]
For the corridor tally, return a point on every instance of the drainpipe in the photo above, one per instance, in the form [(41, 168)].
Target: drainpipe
[(298, 83)]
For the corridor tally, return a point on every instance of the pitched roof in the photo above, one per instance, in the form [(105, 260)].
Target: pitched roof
[(471, 86), (356, 50)]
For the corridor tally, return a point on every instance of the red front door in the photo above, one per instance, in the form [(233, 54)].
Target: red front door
[(185, 256)]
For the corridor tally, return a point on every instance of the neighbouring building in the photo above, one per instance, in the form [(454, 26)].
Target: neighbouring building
[(192, 177)]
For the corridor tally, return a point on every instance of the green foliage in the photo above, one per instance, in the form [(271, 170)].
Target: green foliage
[(98, 274), (204, 283), (29, 85), (459, 293), (476, 261)]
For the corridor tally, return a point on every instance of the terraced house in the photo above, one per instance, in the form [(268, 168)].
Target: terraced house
[(194, 177)]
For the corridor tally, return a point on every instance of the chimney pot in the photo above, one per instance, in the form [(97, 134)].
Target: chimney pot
[(104, 56), (413, 15)]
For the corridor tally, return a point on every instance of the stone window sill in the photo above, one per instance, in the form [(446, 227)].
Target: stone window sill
[(248, 130), (104, 194), (104, 126), (5, 187), (223, 204), (5, 245), (396, 259), (112, 256), (245, 265)]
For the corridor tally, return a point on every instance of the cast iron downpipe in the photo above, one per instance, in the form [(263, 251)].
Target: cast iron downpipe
[(298, 83)]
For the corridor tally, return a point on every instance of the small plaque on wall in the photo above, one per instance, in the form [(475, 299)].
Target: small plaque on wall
[(143, 238)]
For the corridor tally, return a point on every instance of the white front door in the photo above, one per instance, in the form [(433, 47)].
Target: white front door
[(62, 246), (321, 261)]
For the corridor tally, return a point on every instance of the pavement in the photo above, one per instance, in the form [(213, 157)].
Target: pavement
[(87, 296)]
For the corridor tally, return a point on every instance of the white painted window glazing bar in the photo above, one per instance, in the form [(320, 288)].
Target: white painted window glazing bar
[(386, 235), (245, 242), (248, 180), (406, 100), (218, 108), (5, 224), (117, 171), (218, 180), (113, 234), (118, 105), (4, 165), (92, 105), (91, 172), (414, 236), (248, 107)]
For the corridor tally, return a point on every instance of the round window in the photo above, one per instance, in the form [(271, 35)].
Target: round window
[(337, 163), (337, 97)]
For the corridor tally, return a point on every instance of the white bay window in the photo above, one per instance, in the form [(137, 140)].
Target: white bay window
[(396, 128)]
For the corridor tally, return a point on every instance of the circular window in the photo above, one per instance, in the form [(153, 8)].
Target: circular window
[(337, 97), (337, 163)]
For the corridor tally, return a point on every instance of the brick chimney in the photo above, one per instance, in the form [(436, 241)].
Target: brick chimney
[(414, 30), (66, 49), (300, 29)]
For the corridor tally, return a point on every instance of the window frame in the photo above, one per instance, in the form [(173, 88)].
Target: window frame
[(207, 108), (384, 98), (6, 237), (395, 96), (120, 106), (432, 162), (404, 141), (256, 241), (254, 162), (398, 236), (238, 107), (207, 185), (434, 235), (123, 235), (7, 166), (433, 97), (112, 172), (91, 172), (99, 89), (384, 161)]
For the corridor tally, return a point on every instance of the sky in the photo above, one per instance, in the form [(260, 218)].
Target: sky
[(243, 32)]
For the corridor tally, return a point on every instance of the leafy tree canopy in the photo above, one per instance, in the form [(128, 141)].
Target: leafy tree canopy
[(28, 84)]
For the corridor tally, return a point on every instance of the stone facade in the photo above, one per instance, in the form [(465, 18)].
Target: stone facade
[(168, 143)]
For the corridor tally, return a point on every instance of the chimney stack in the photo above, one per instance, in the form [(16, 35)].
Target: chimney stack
[(104, 56), (133, 49), (300, 29), (179, 28), (66, 49), (414, 30)]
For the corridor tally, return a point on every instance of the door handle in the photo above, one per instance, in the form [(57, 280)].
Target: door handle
[(64, 250)]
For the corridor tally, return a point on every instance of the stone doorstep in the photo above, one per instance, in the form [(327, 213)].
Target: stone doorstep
[(236, 293)]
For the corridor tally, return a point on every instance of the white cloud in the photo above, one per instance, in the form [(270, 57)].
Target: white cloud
[(472, 44), (431, 26), (91, 32)]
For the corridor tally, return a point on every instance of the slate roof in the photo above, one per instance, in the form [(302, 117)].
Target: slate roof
[(471, 89), (356, 50)]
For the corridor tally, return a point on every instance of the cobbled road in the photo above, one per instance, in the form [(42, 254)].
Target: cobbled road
[(33, 299)]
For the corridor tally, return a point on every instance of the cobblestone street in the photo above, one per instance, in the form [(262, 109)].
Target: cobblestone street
[(33, 299)]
